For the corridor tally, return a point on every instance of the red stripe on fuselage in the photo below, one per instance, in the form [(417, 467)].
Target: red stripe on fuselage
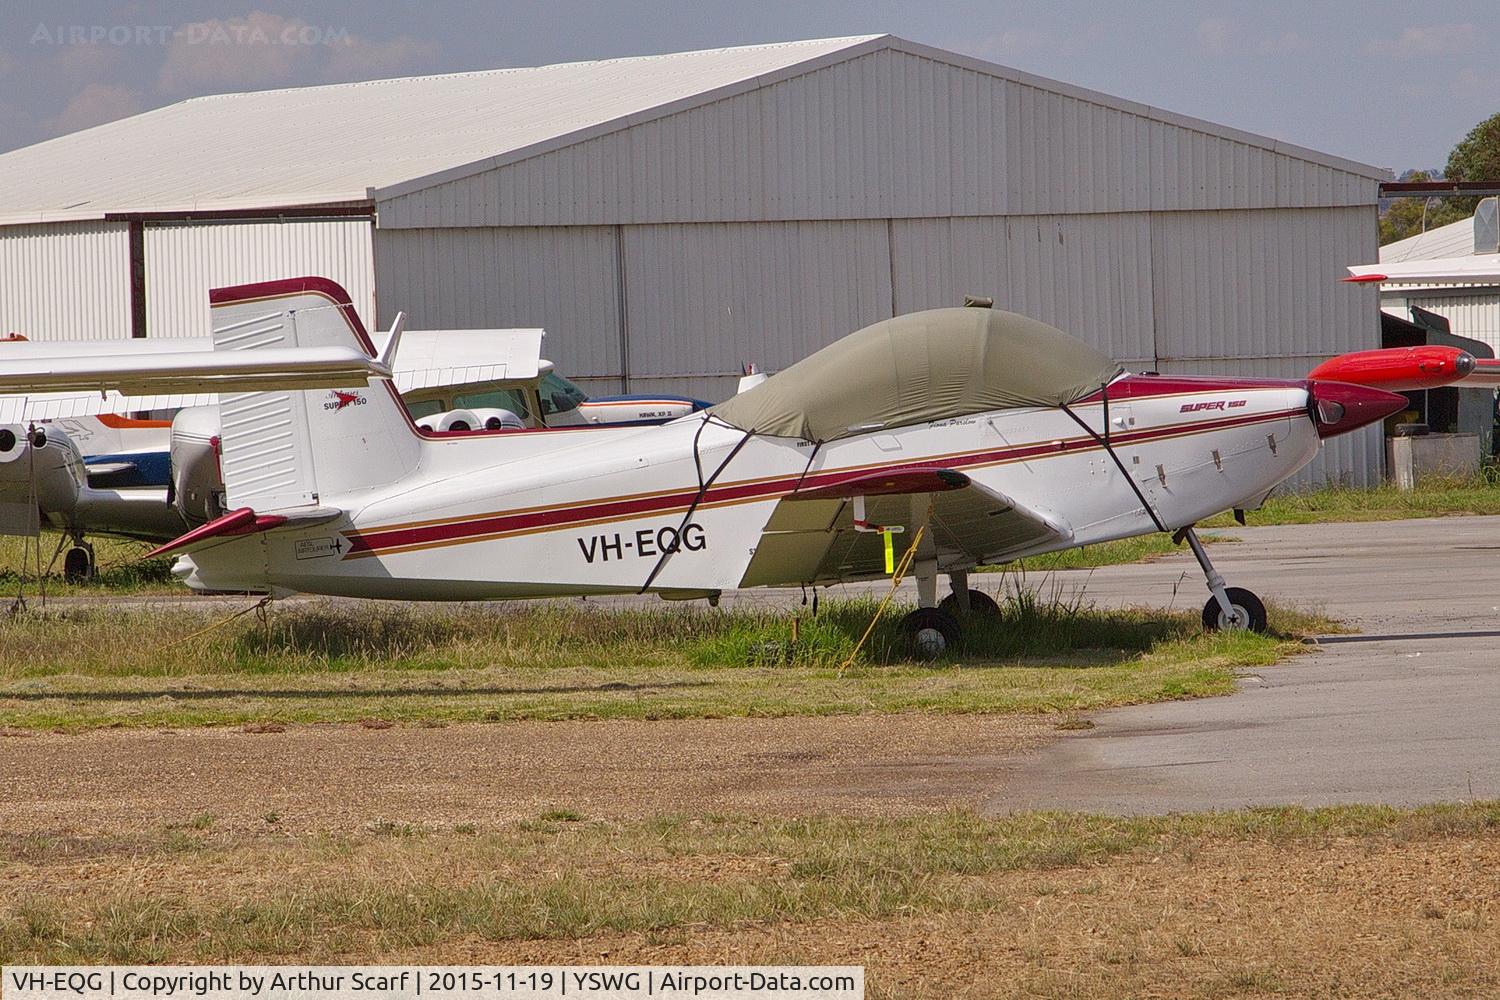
[(375, 541)]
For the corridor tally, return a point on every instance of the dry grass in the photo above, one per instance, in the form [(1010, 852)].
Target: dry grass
[(80, 667), (1345, 901)]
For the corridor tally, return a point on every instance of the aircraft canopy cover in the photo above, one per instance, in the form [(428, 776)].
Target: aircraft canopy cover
[(918, 368)]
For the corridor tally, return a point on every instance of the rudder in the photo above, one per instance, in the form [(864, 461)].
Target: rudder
[(289, 449)]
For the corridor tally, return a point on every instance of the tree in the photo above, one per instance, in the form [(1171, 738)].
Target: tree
[(1404, 216), (1475, 158)]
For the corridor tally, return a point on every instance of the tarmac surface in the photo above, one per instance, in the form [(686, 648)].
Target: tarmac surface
[(1406, 712)]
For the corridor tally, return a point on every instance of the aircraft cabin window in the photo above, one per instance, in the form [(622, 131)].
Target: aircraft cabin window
[(559, 395), (499, 399), (425, 408)]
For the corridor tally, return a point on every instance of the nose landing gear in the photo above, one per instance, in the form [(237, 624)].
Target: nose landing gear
[(1229, 607)]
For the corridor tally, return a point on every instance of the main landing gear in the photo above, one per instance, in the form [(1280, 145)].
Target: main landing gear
[(934, 628), (1229, 607), (79, 564)]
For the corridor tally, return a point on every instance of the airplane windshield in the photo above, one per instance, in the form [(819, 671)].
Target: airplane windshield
[(559, 395)]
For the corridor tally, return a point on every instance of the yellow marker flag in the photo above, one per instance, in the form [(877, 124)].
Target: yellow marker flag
[(890, 552)]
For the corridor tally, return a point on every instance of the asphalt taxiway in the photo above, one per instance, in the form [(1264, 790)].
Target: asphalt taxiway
[(1405, 712)]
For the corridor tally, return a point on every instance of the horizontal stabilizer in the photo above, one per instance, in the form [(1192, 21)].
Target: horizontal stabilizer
[(243, 521)]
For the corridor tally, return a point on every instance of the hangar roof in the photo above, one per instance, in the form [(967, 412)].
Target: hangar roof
[(354, 142)]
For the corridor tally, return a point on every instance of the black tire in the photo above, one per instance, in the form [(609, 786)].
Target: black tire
[(980, 605), (1243, 600), (931, 620), (78, 565)]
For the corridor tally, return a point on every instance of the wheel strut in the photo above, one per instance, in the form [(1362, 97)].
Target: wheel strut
[(960, 585), (1215, 582)]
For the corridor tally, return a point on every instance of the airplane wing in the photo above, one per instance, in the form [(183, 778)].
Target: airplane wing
[(424, 359), (812, 535), (61, 405), (1486, 375), (192, 371), (1473, 269)]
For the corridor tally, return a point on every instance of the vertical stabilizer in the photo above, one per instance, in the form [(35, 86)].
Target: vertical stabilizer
[(281, 450)]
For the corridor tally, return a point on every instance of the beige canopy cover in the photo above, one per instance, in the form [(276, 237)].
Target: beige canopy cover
[(917, 368)]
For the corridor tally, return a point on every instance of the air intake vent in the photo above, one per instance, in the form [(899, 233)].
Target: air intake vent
[(1487, 226)]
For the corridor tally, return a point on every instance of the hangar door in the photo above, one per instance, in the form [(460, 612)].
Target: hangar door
[(183, 260)]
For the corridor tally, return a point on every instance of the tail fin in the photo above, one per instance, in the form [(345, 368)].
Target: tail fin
[(282, 450)]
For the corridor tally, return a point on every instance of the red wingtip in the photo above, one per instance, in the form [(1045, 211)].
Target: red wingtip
[(1359, 279), (1398, 369)]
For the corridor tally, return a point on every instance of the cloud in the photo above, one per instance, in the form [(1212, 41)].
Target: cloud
[(263, 49), (1472, 84), (1283, 44), (95, 104), (89, 62), (1015, 41), (1428, 40), (363, 59), (1215, 34)]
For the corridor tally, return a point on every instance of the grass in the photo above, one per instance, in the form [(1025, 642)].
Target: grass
[(1141, 548), (120, 568), (1432, 498), (78, 667), (393, 889)]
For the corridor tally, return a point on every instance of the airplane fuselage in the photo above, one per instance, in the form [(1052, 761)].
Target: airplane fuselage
[(683, 506)]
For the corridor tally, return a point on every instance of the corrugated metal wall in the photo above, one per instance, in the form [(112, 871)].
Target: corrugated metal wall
[(702, 300), (65, 280), (1087, 274), (563, 279), (885, 135), (185, 260), (1261, 284)]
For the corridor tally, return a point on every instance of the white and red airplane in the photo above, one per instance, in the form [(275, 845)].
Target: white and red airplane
[(973, 436)]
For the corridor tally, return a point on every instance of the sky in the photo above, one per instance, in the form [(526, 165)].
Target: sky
[(1390, 84)]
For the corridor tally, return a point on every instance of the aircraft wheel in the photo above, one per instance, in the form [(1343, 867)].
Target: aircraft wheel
[(932, 632), (1249, 611), (78, 565), (980, 604)]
